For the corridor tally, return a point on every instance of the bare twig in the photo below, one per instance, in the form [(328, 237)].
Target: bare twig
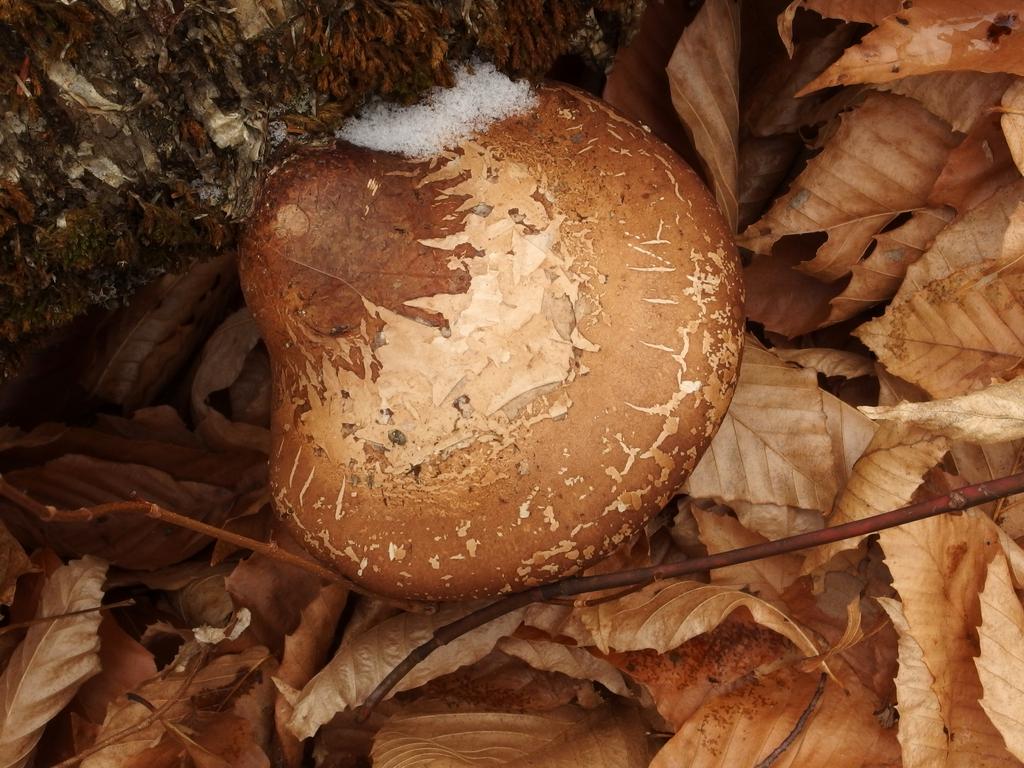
[(799, 727), (66, 615), (962, 498), (87, 514)]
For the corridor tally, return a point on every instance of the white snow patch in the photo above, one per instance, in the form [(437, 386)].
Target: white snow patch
[(480, 96)]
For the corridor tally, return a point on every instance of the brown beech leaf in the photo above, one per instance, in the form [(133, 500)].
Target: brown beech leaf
[(145, 343), (979, 463), (703, 74), (977, 236), (609, 737), (305, 651), (503, 682), (827, 361), (1001, 662), (742, 727), (938, 568), (764, 163), (977, 168), (956, 334), (55, 658), (570, 660), (127, 540), (991, 415), (783, 298), (784, 443), (637, 84), (879, 275), (129, 730), (1012, 121), (932, 36), (13, 563), (704, 666), (959, 98), (867, 11), (222, 361), (921, 730), (882, 160), (125, 664), (662, 617), (884, 477), (773, 107), (768, 577), (361, 664)]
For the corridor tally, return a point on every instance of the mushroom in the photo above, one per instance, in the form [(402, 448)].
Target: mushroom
[(494, 364)]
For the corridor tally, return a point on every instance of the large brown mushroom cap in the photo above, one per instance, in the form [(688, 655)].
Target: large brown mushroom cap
[(491, 367)]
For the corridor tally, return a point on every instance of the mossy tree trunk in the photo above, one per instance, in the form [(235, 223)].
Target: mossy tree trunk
[(133, 131)]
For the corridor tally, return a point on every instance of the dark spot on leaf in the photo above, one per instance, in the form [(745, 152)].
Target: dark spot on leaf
[(1003, 24)]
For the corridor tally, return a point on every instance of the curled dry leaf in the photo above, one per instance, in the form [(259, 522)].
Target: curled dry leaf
[(933, 36), (744, 725), (609, 737), (938, 567), (1012, 121), (703, 74), (784, 445), (767, 578), (305, 651), (662, 617), (145, 344), (575, 662), (705, 666), (1001, 662), (363, 662), (977, 168), (884, 477), (980, 463), (922, 736), (866, 174), (867, 11), (827, 361), (959, 98), (976, 236), (129, 728), (53, 661), (13, 563), (991, 415), (879, 275), (223, 360), (956, 334)]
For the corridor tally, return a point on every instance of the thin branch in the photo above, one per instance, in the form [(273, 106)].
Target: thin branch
[(799, 727), (66, 615), (88, 514), (962, 498)]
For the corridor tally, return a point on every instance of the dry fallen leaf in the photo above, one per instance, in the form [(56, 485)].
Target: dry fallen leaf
[(930, 36), (361, 664), (830, 362), (991, 415), (129, 728), (575, 662), (55, 658), (664, 616), (956, 334), (866, 174), (13, 563), (959, 98), (1012, 121), (743, 726), (703, 74), (884, 477), (783, 450), (938, 567), (610, 737), (1001, 662)]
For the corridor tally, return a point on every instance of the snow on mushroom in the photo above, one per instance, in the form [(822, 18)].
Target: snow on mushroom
[(496, 355)]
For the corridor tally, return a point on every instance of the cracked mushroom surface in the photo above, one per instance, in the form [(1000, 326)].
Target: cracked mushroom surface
[(491, 366)]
